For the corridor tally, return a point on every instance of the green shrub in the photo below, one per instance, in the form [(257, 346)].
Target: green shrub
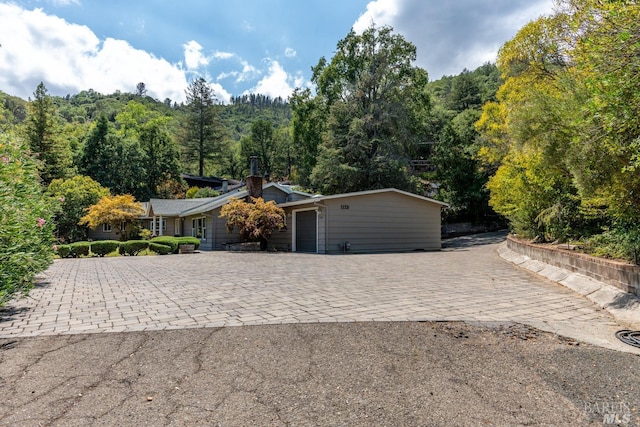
[(133, 247), (63, 251), (189, 241), (26, 226), (160, 248), (170, 241), (623, 244), (104, 247), (78, 249), (175, 242)]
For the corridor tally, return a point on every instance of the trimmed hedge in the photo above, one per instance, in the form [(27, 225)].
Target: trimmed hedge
[(175, 242), (63, 251), (160, 245), (189, 241), (167, 241), (160, 248), (79, 249), (133, 247), (104, 247)]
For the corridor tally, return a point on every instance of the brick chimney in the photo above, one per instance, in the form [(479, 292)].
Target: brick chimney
[(254, 181)]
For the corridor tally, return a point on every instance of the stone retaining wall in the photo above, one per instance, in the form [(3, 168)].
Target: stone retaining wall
[(623, 276)]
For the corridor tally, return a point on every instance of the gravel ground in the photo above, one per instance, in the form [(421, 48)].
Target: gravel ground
[(356, 374)]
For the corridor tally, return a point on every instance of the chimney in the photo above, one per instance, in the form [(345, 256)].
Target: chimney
[(254, 165), (254, 181), (225, 186)]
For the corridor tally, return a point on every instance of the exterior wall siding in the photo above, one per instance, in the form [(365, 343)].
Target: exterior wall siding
[(281, 240), (274, 194), (387, 222)]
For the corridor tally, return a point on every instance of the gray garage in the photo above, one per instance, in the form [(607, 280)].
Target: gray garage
[(386, 220)]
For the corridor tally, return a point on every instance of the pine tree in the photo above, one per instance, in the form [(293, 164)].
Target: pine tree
[(43, 134), (203, 132)]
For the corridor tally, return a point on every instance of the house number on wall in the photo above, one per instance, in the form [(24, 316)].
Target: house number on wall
[(344, 206)]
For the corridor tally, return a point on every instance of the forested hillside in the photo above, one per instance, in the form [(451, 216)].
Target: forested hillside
[(408, 133), (563, 137)]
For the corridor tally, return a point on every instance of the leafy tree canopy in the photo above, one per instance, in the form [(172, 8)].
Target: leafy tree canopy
[(73, 197), (375, 100), (255, 221), (113, 210)]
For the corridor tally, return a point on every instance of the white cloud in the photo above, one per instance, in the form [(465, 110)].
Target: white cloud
[(69, 58), (65, 2), (223, 55), (193, 57), (380, 12), (221, 94), (277, 82), (450, 36), (290, 53)]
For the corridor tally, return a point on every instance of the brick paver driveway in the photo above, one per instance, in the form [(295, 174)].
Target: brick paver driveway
[(467, 281)]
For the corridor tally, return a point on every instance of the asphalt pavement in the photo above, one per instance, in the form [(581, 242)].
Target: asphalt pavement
[(457, 337)]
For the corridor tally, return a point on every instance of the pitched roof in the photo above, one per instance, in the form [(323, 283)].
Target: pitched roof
[(316, 199), (224, 199), (173, 207)]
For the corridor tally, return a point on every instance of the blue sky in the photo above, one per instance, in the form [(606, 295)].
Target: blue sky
[(239, 46)]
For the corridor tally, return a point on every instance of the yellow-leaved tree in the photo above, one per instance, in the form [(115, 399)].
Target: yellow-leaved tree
[(255, 221), (116, 211)]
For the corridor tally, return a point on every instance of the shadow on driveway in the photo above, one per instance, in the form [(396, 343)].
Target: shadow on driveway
[(475, 240)]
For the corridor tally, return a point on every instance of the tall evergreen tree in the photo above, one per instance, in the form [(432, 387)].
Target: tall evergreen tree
[(44, 138), (260, 143), (98, 153), (160, 156), (203, 133)]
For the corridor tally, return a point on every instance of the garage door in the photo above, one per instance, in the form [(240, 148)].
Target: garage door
[(306, 232)]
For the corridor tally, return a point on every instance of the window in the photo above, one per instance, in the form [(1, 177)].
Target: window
[(178, 227), (199, 228), (164, 224), (106, 228)]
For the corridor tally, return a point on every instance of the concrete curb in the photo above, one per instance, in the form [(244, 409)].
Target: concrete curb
[(623, 306)]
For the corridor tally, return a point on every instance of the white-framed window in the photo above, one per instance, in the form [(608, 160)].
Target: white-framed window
[(159, 221), (199, 228), (106, 228)]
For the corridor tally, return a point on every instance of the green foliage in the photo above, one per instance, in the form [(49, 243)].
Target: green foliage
[(175, 242), (26, 226), (563, 133), (619, 243), (188, 240), (73, 197), (79, 249), (115, 211), (43, 134), (170, 241), (376, 101), (197, 193), (13, 110), (104, 247), (160, 249), (133, 247), (128, 143), (308, 123), (203, 131), (62, 251), (272, 147)]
